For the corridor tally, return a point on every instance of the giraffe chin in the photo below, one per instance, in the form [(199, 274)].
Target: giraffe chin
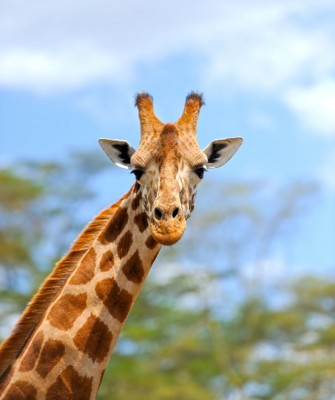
[(168, 232)]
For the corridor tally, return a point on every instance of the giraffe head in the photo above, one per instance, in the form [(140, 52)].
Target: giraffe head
[(169, 164)]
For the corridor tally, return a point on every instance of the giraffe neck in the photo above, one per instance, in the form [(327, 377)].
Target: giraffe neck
[(67, 353)]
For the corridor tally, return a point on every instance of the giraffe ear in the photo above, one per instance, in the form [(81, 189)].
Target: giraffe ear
[(119, 151), (220, 151)]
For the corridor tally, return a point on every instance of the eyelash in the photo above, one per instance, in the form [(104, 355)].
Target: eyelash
[(138, 173), (200, 172)]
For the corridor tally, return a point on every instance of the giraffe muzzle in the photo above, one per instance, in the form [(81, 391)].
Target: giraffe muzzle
[(167, 227)]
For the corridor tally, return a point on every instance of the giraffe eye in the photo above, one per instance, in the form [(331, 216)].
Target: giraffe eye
[(138, 173), (200, 172)]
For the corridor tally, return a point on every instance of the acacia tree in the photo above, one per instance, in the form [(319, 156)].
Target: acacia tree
[(16, 197), (256, 352), (40, 215)]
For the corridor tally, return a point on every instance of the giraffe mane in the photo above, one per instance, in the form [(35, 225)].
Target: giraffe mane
[(11, 347)]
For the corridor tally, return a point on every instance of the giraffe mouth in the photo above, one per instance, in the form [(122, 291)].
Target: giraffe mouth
[(168, 232)]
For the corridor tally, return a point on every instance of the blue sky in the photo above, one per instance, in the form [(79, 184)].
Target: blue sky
[(69, 71)]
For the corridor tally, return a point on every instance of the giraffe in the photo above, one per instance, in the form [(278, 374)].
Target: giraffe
[(61, 345)]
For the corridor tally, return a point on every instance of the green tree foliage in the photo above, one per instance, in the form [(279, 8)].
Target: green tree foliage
[(256, 351), (40, 205), (209, 323), (16, 197)]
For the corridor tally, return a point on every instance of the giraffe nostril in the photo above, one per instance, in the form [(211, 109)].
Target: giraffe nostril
[(175, 212), (158, 213)]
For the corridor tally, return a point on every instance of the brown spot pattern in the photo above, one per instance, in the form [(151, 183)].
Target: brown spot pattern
[(29, 360), (141, 220), (70, 386), (107, 261), (124, 244), (66, 310), (136, 201), (85, 271), (133, 268), (151, 242), (94, 338), (116, 225), (117, 300), (51, 354), (21, 390)]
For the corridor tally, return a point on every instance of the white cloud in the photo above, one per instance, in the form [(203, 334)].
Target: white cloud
[(72, 42), (43, 71), (315, 105), (272, 57), (266, 47)]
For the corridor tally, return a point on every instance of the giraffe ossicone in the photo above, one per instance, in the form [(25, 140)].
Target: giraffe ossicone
[(61, 345)]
